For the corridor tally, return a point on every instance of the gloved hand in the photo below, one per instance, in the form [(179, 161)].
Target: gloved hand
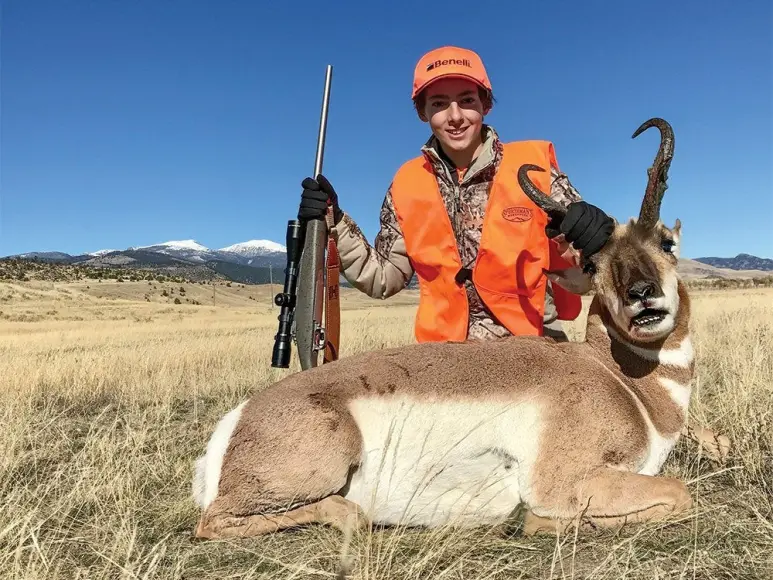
[(314, 198), (584, 226)]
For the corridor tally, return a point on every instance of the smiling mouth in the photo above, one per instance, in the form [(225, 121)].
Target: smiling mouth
[(648, 317), (456, 132)]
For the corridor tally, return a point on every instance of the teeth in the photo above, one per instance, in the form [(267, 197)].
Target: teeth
[(648, 320)]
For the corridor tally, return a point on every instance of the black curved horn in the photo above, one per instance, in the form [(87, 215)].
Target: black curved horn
[(649, 214), (546, 204)]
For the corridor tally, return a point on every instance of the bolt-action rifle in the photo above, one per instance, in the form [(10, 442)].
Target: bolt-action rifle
[(311, 279)]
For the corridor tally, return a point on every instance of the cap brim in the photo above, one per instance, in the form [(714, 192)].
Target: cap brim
[(451, 75)]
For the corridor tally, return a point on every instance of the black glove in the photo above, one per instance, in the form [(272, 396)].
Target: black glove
[(584, 226), (316, 193)]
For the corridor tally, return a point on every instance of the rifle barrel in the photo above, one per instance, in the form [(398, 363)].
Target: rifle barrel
[(312, 276), (323, 123)]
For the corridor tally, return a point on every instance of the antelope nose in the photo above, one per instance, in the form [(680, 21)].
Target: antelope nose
[(641, 290)]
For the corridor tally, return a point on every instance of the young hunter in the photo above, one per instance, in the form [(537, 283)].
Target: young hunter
[(457, 218)]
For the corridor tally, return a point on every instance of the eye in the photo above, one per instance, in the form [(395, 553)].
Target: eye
[(667, 245), (589, 268)]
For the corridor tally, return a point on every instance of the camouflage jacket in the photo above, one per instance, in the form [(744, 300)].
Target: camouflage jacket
[(384, 269)]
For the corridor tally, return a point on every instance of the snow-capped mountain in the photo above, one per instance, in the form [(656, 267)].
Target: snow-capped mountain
[(189, 250), (256, 252), (253, 248), (176, 245)]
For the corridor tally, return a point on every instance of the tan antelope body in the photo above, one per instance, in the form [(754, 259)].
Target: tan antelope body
[(463, 433)]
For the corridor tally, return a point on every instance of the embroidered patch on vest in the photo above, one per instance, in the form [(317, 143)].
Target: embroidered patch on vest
[(516, 214)]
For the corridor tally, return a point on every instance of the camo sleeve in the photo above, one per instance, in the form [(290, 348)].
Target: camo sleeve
[(561, 189), (381, 270)]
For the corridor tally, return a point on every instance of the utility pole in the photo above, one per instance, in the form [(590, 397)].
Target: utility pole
[(271, 281), (213, 292)]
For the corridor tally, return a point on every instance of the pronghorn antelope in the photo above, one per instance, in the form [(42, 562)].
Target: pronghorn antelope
[(464, 433)]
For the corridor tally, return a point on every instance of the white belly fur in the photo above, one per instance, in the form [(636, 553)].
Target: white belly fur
[(443, 463)]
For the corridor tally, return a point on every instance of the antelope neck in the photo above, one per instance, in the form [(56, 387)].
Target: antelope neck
[(658, 375)]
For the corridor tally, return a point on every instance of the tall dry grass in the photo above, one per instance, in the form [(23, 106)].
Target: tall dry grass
[(106, 403)]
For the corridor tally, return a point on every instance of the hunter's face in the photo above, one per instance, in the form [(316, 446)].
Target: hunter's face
[(454, 110)]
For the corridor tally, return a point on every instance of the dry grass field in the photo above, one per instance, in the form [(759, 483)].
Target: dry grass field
[(108, 397)]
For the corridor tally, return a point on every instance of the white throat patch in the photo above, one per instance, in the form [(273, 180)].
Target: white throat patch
[(682, 356)]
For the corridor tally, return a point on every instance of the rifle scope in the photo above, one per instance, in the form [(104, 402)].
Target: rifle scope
[(280, 357)]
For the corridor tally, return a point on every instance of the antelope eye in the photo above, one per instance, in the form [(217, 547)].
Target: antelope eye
[(667, 245), (589, 268)]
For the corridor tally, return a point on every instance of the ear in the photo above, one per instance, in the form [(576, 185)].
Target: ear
[(677, 231), (573, 279)]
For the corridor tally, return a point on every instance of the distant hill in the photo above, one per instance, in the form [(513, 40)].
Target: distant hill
[(22, 269), (257, 253), (740, 262), (251, 262), (261, 261), (693, 269), (139, 265)]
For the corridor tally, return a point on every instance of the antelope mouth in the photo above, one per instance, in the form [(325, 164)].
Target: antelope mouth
[(649, 317)]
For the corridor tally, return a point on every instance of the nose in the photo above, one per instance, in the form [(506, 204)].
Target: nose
[(641, 290), (455, 112)]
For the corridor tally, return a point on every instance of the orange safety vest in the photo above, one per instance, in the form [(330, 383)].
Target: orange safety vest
[(514, 249)]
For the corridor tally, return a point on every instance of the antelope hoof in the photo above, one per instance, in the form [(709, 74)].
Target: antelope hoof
[(533, 525), (201, 532), (537, 525)]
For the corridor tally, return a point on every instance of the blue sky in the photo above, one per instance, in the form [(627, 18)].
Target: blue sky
[(131, 122)]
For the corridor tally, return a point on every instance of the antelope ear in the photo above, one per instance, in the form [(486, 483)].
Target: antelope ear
[(573, 279), (677, 233)]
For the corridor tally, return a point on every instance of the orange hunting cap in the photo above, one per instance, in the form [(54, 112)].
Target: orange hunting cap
[(449, 61)]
